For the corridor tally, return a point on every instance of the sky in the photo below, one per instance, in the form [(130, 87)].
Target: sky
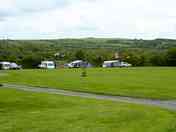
[(53, 19)]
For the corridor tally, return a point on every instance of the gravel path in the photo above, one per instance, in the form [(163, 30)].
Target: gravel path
[(171, 104)]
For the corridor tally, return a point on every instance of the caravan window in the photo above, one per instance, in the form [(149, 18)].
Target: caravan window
[(6, 65), (50, 64)]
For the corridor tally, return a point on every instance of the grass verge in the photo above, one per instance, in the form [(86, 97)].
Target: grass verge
[(33, 112)]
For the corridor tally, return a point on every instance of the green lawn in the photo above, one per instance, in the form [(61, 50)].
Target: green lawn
[(151, 82), (34, 112)]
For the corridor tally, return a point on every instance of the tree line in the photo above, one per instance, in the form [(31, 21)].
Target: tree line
[(30, 53)]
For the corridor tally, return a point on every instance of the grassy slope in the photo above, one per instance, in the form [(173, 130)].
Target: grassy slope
[(32, 112), (139, 82)]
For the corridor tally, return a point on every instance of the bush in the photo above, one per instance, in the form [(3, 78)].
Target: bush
[(31, 61)]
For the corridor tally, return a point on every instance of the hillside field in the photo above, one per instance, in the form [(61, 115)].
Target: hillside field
[(146, 82)]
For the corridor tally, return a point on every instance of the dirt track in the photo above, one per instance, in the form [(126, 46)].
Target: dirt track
[(171, 104)]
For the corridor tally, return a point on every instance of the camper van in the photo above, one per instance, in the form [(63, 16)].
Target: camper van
[(115, 63), (78, 64), (47, 65), (4, 65)]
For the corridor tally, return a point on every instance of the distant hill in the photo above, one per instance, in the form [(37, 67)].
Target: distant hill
[(94, 43)]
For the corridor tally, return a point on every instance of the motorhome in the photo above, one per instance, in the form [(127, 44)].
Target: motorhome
[(115, 63), (47, 65), (4, 65)]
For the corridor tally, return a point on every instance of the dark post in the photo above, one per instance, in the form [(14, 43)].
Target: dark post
[(84, 71)]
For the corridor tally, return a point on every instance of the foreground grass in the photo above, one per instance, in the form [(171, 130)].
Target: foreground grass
[(34, 112), (152, 82)]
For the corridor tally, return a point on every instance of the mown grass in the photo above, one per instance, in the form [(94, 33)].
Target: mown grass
[(150, 82), (34, 112)]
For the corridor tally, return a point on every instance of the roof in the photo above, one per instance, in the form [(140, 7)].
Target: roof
[(77, 61), (112, 61), (47, 62), (4, 62)]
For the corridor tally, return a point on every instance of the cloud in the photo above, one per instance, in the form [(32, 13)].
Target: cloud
[(25, 7), (39, 5), (96, 18), (6, 8)]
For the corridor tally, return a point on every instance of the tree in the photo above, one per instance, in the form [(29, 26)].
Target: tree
[(79, 55), (159, 59), (171, 57), (31, 61)]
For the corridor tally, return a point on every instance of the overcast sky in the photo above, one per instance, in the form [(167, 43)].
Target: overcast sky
[(38, 19)]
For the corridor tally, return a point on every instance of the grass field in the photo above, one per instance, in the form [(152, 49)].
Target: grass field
[(151, 82), (34, 112)]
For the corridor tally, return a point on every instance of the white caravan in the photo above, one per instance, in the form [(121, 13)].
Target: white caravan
[(9, 65), (4, 65), (115, 63), (78, 64), (75, 64), (47, 65), (15, 66)]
